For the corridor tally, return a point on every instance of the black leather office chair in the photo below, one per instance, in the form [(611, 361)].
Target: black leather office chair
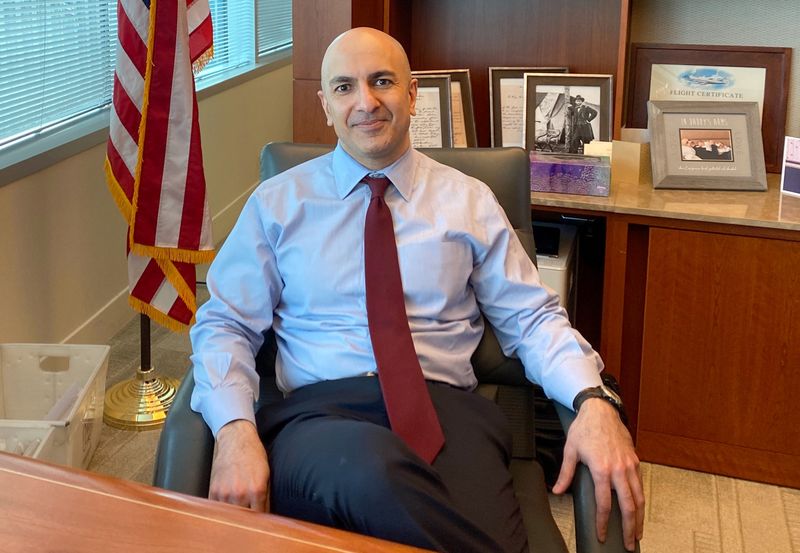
[(183, 461)]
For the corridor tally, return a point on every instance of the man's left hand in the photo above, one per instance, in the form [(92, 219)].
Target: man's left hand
[(598, 439)]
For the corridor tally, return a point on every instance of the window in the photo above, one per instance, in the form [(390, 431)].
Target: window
[(57, 61), (274, 29)]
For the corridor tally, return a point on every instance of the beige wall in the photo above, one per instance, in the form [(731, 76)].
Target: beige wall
[(62, 240)]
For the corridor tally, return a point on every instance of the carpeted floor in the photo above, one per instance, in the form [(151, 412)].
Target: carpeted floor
[(687, 512)]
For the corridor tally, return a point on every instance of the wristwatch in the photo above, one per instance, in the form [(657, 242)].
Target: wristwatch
[(601, 392)]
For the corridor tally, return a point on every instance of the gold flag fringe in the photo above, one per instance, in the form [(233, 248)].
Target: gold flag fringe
[(123, 204), (172, 254), (161, 318), (203, 60)]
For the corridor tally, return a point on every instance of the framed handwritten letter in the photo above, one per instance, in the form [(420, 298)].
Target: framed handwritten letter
[(705, 73), (507, 102), (432, 127), (464, 134), (706, 145)]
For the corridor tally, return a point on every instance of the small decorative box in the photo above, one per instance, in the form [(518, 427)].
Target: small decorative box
[(570, 174)]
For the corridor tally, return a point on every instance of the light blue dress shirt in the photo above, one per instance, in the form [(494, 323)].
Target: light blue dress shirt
[(294, 261)]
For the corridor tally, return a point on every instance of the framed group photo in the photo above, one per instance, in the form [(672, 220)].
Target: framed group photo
[(461, 106), (562, 113), (702, 73), (507, 103), (706, 145), (431, 127)]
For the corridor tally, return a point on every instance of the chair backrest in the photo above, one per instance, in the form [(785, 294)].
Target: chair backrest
[(505, 170)]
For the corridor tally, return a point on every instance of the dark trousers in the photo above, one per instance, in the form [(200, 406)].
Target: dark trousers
[(334, 461)]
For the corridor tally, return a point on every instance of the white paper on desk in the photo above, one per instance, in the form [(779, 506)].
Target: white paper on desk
[(512, 101), (457, 109), (598, 148), (426, 125)]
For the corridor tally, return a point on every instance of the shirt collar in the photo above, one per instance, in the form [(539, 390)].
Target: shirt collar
[(347, 172)]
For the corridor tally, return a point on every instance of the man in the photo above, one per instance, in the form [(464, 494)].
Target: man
[(296, 261), (582, 128)]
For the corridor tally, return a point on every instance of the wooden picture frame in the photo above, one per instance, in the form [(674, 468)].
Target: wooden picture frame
[(775, 62), (461, 105), (432, 126), (706, 145), (507, 110), (554, 108)]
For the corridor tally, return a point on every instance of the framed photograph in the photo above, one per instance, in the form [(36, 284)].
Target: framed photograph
[(790, 175), (700, 73), (706, 145), (564, 112), (432, 127), (464, 134), (507, 102)]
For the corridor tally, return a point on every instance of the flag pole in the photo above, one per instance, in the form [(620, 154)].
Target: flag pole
[(142, 402)]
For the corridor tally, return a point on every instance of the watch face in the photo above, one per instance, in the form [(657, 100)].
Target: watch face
[(611, 394)]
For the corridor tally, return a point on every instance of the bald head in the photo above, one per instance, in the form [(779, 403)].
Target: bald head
[(361, 40), (368, 95)]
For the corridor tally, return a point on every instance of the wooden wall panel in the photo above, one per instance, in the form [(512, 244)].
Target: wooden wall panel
[(315, 24), (476, 34), (720, 347), (308, 117)]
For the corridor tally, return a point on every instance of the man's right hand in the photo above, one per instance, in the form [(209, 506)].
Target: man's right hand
[(240, 471)]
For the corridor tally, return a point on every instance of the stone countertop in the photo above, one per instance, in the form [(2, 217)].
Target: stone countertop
[(769, 209)]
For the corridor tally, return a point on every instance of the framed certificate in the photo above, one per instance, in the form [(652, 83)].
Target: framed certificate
[(701, 73)]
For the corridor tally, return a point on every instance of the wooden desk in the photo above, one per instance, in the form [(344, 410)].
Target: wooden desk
[(701, 303), (48, 508)]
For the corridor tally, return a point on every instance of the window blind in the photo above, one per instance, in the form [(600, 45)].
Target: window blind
[(273, 26), (233, 22), (56, 62), (57, 57)]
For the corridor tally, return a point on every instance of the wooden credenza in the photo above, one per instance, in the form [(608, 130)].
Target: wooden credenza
[(700, 322)]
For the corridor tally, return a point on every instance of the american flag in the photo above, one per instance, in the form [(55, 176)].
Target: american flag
[(154, 162)]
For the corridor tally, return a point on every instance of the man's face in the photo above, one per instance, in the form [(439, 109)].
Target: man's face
[(369, 96), (578, 102)]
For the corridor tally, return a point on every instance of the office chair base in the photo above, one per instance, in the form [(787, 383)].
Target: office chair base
[(140, 403)]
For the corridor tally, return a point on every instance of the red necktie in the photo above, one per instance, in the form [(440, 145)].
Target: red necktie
[(405, 393)]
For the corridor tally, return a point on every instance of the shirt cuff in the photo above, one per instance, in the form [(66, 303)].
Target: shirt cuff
[(224, 405), (575, 377)]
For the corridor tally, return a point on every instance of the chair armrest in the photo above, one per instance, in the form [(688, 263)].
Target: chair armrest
[(185, 448), (585, 506)]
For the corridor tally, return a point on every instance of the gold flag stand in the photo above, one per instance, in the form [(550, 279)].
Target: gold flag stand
[(140, 403)]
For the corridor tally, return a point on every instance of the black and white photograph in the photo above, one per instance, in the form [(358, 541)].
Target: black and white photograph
[(565, 117), (706, 145), (564, 112)]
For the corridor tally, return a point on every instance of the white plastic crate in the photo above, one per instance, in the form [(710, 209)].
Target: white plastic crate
[(37, 442), (60, 386)]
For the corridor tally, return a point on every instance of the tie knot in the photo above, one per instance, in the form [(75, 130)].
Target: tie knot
[(377, 184)]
